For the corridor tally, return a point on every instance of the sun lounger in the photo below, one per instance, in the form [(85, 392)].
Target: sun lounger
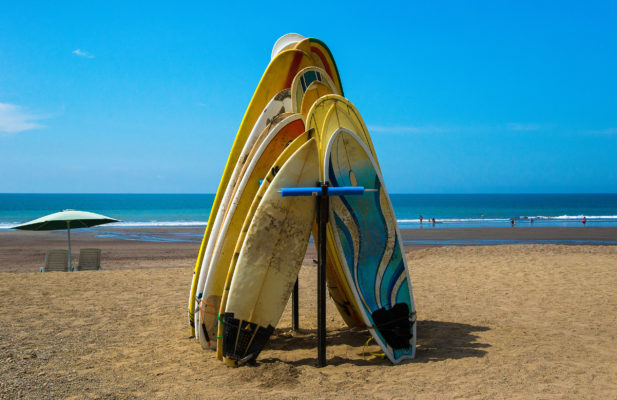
[(89, 260), (56, 260)]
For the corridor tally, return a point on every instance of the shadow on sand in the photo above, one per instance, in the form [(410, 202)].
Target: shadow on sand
[(437, 341)]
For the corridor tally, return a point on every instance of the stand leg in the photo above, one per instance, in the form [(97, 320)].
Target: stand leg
[(294, 308), (322, 215)]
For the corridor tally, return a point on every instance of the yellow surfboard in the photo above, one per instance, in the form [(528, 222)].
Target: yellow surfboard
[(289, 150), (332, 112), (270, 259), (278, 75), (327, 114), (323, 58), (270, 116), (271, 147), (315, 91)]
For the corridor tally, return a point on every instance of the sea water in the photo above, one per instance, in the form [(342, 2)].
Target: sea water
[(449, 210)]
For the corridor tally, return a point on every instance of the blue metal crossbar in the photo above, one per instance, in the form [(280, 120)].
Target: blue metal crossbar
[(316, 191)]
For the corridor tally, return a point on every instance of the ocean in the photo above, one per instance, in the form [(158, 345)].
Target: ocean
[(449, 210)]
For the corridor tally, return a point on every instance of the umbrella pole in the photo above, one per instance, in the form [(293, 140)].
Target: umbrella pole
[(68, 230)]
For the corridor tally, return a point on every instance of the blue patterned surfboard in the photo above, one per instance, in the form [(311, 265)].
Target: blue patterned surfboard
[(369, 243)]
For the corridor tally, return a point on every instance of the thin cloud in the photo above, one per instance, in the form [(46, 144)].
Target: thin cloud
[(519, 127), (423, 129), (81, 53), (607, 131), (14, 120), (409, 129)]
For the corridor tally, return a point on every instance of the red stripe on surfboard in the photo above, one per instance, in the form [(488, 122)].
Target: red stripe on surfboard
[(293, 68), (324, 61)]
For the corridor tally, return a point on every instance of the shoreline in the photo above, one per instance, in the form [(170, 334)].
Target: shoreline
[(132, 248)]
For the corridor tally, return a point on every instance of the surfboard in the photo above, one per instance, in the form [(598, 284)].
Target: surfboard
[(323, 58), (312, 93), (279, 104), (289, 150), (285, 42), (206, 303), (278, 76), (270, 259), (367, 235), (327, 114), (262, 160), (303, 80), (331, 112)]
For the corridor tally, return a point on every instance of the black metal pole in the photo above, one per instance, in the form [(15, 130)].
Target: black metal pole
[(294, 308), (322, 218)]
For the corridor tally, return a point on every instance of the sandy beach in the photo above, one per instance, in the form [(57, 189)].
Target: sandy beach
[(508, 321)]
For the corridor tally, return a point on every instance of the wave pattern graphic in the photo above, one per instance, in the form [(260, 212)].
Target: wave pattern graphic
[(365, 229)]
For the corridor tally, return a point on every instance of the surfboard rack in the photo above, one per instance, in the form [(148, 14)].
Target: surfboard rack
[(322, 191)]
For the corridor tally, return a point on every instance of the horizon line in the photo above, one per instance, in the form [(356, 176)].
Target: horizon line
[(214, 193)]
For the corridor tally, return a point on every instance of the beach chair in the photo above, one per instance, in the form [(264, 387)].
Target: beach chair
[(89, 260), (56, 260)]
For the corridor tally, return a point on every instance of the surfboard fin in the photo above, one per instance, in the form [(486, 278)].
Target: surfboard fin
[(394, 325), (243, 340)]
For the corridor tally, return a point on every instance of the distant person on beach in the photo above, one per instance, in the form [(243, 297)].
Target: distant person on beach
[(584, 220), (433, 221), (531, 221), (421, 220), (512, 222)]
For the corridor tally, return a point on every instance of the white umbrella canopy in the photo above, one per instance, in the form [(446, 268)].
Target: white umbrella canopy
[(66, 219)]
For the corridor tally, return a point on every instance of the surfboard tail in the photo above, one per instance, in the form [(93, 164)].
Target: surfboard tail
[(243, 340)]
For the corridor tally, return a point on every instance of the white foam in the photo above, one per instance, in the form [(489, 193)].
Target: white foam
[(135, 224), (452, 220), (521, 218), (577, 217)]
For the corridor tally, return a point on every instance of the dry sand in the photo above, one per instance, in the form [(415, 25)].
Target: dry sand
[(524, 321)]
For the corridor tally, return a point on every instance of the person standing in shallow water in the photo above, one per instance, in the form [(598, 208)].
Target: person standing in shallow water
[(512, 222), (421, 220), (584, 220)]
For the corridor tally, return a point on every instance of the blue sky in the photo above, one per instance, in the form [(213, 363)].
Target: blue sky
[(459, 97)]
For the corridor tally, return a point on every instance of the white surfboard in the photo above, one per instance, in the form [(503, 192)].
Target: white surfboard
[(284, 42), (270, 259)]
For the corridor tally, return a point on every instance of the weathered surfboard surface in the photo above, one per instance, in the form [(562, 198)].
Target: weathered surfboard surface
[(278, 105), (278, 76), (262, 160), (270, 259), (289, 150), (367, 235)]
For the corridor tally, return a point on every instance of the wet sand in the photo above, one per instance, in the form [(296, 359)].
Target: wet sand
[(517, 321), (517, 233), (24, 251)]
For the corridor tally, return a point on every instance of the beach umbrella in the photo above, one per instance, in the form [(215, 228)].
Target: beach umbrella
[(66, 219)]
